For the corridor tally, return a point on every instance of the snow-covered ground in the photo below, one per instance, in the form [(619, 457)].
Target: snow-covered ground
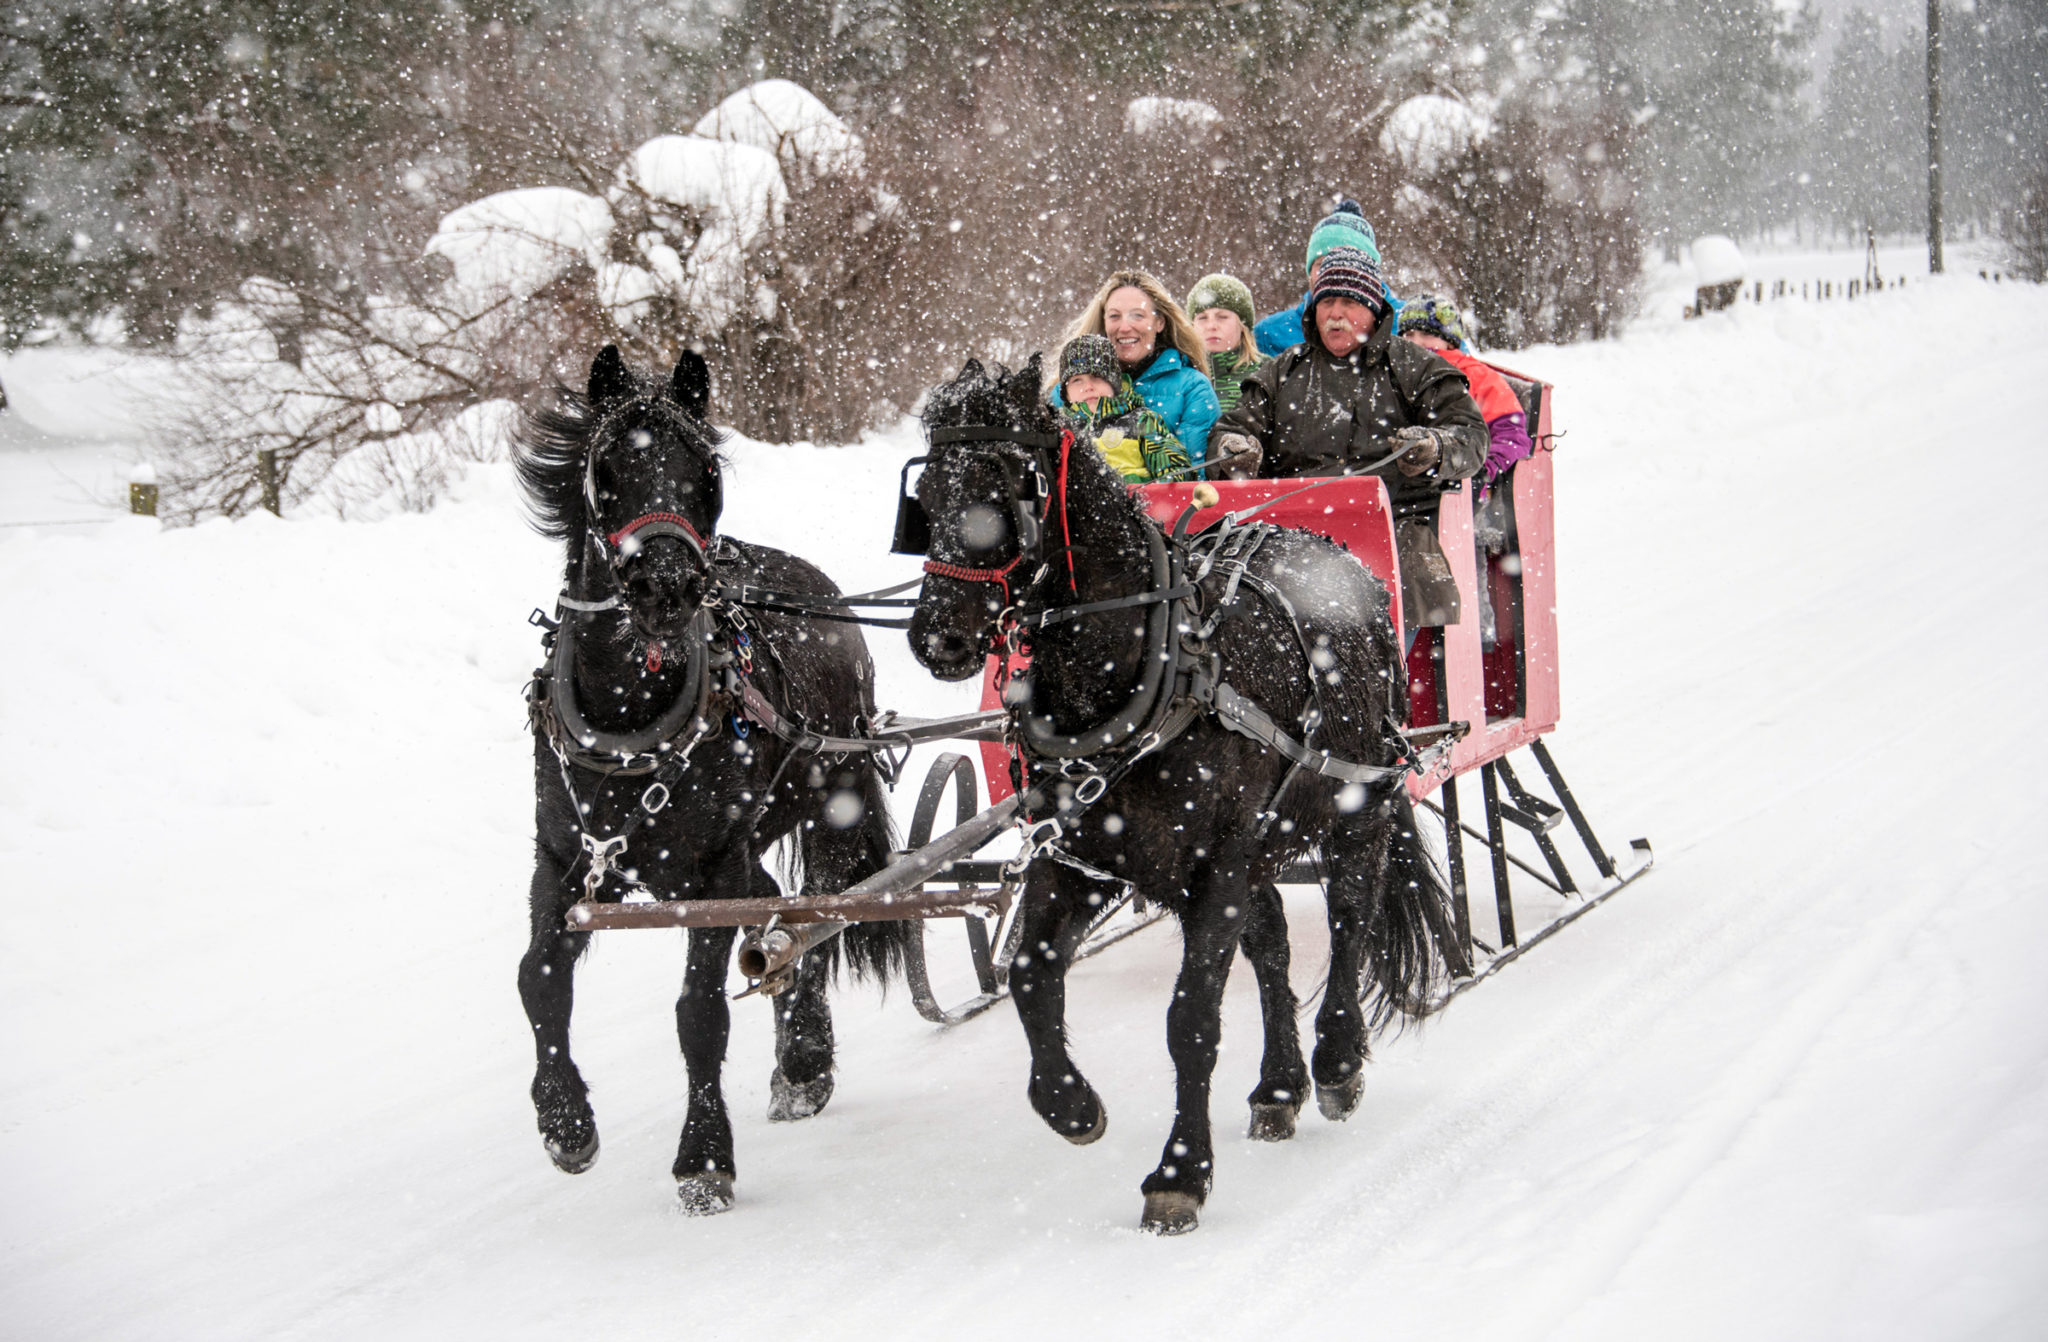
[(264, 823)]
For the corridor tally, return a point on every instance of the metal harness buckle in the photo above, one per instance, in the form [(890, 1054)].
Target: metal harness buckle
[(602, 854)]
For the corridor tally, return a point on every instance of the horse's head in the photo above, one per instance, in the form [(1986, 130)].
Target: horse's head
[(976, 511), (631, 469)]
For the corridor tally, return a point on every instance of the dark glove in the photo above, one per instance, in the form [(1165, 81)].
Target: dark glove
[(1422, 451), (1234, 456)]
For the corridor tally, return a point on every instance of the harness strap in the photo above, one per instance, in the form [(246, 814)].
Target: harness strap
[(994, 433), (741, 594), (567, 602), (1246, 718), (1044, 618)]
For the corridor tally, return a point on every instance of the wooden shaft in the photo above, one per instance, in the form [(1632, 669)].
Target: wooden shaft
[(599, 917)]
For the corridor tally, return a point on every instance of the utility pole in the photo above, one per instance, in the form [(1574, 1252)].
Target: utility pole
[(1934, 137)]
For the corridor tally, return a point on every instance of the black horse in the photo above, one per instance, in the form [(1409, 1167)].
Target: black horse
[(1181, 788), (650, 774)]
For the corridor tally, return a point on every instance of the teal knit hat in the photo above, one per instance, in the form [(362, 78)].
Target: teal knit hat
[(1344, 226), (1221, 291)]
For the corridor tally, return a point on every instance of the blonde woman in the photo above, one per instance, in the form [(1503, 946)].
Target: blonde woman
[(1157, 348)]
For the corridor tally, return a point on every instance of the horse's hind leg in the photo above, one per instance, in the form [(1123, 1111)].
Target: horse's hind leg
[(802, 1082), (1210, 931), (547, 988), (1283, 1074), (704, 1166)]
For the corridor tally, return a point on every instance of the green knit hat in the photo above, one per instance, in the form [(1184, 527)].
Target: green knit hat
[(1344, 226), (1221, 291)]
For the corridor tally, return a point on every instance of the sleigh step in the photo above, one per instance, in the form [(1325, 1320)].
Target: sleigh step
[(1535, 815)]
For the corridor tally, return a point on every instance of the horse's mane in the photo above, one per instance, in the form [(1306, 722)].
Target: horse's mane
[(998, 398), (553, 440)]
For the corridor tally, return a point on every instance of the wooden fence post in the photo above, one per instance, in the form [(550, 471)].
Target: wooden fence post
[(142, 491), (266, 476)]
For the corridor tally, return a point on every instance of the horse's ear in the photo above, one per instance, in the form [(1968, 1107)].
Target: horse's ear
[(971, 369), (609, 380), (1025, 383), (690, 385)]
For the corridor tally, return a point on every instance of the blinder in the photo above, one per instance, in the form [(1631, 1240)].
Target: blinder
[(1028, 479), (913, 528)]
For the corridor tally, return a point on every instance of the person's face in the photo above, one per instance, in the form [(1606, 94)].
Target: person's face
[(1088, 390), (1220, 329), (1427, 339), (1345, 323), (1131, 323)]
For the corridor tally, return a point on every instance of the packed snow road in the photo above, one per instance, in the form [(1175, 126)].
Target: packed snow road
[(264, 817)]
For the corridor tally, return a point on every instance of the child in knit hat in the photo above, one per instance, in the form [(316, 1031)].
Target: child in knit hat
[(1103, 406), (1221, 308), (1434, 324)]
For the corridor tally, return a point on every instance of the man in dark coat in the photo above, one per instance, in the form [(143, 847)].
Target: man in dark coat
[(1352, 394)]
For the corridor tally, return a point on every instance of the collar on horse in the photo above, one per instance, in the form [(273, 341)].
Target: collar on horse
[(1180, 678)]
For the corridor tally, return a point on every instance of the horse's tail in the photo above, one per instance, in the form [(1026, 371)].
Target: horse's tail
[(1414, 941), (835, 859)]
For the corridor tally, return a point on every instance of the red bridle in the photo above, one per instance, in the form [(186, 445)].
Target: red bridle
[(649, 519), (999, 576)]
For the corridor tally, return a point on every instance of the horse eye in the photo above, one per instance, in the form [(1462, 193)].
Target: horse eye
[(981, 527)]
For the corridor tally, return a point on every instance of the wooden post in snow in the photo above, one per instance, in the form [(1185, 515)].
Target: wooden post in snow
[(266, 480)]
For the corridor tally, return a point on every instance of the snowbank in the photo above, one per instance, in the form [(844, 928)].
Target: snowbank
[(265, 817)]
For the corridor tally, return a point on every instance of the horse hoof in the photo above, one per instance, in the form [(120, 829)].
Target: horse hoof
[(1338, 1102), (573, 1161), (1093, 1134), (705, 1194), (1272, 1122), (1170, 1213), (789, 1101)]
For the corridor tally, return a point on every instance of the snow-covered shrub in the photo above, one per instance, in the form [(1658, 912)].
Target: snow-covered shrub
[(1532, 226), (787, 120), (516, 243), (1169, 116), (1430, 130), (695, 240), (1716, 260)]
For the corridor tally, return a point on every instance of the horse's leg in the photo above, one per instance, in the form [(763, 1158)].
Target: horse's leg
[(802, 1082), (704, 1166), (1038, 985), (1283, 1074), (547, 988), (1357, 852), (1210, 931), (832, 860)]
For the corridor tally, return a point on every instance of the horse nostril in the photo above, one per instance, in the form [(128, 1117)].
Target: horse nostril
[(946, 646)]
